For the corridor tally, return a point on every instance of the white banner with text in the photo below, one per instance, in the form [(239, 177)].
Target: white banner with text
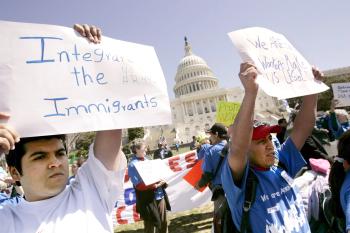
[(54, 81)]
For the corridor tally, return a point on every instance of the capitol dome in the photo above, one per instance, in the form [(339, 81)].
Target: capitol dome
[(193, 74)]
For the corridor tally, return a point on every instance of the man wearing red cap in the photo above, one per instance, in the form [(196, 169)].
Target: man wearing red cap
[(277, 205)]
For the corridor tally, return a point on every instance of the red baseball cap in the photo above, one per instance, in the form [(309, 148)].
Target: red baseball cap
[(261, 130)]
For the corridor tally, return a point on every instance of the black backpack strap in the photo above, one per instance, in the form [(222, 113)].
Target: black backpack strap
[(249, 198), (282, 165)]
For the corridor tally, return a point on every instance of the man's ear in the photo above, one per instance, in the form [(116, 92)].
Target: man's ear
[(16, 176)]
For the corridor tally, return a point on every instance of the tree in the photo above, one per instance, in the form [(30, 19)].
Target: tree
[(83, 142), (135, 133)]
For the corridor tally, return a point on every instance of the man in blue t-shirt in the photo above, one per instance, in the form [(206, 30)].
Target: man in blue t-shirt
[(277, 206), (212, 166)]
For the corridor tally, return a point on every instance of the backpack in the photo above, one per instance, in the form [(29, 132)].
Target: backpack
[(328, 223)]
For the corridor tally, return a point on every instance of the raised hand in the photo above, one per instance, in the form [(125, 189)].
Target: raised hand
[(247, 75), (92, 33)]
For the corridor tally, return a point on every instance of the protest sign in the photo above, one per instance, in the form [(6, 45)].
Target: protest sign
[(284, 72), (341, 92), (181, 192), (152, 171), (226, 112), (54, 81)]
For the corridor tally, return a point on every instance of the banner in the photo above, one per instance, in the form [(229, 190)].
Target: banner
[(53, 81), (284, 72), (341, 92), (226, 112), (181, 192)]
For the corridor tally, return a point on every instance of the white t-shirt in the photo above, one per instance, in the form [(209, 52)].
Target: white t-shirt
[(84, 206)]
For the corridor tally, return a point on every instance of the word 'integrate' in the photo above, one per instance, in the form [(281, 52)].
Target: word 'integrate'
[(97, 55)]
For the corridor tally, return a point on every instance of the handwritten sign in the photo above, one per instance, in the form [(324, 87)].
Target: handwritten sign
[(341, 92), (152, 171), (284, 72), (226, 112), (54, 81)]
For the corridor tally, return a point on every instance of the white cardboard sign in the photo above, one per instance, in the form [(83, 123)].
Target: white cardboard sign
[(54, 81), (152, 171), (341, 92), (284, 72)]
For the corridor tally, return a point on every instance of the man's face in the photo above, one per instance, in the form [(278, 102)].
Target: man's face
[(213, 138), (141, 152), (262, 153), (283, 124), (342, 118), (44, 169)]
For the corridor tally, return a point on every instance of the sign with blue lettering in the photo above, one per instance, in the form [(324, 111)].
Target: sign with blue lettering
[(341, 92), (284, 72), (53, 81)]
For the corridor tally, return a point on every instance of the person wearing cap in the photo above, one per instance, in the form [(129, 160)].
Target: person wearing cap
[(162, 152), (277, 205), (212, 166)]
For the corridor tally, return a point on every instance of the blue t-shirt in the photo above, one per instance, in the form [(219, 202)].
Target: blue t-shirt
[(277, 206), (341, 127), (345, 199), (211, 161), (4, 200), (136, 178), (203, 150)]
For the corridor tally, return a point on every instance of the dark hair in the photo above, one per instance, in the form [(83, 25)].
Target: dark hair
[(14, 158), (280, 121), (136, 144), (337, 174)]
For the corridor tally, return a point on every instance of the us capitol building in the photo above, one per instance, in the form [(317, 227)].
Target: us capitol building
[(197, 92)]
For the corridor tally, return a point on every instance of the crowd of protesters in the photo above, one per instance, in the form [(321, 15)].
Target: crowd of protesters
[(250, 167)]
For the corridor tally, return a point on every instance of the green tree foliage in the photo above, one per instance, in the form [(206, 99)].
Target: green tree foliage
[(136, 133), (83, 142)]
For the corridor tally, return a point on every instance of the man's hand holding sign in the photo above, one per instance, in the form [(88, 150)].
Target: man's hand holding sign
[(54, 82)]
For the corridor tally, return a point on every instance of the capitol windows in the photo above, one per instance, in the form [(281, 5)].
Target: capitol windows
[(187, 131), (199, 108), (206, 110), (207, 126), (212, 106), (197, 128), (189, 109)]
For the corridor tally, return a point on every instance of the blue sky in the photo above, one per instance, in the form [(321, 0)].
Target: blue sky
[(318, 29)]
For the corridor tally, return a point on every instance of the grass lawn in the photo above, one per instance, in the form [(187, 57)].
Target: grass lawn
[(197, 220)]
